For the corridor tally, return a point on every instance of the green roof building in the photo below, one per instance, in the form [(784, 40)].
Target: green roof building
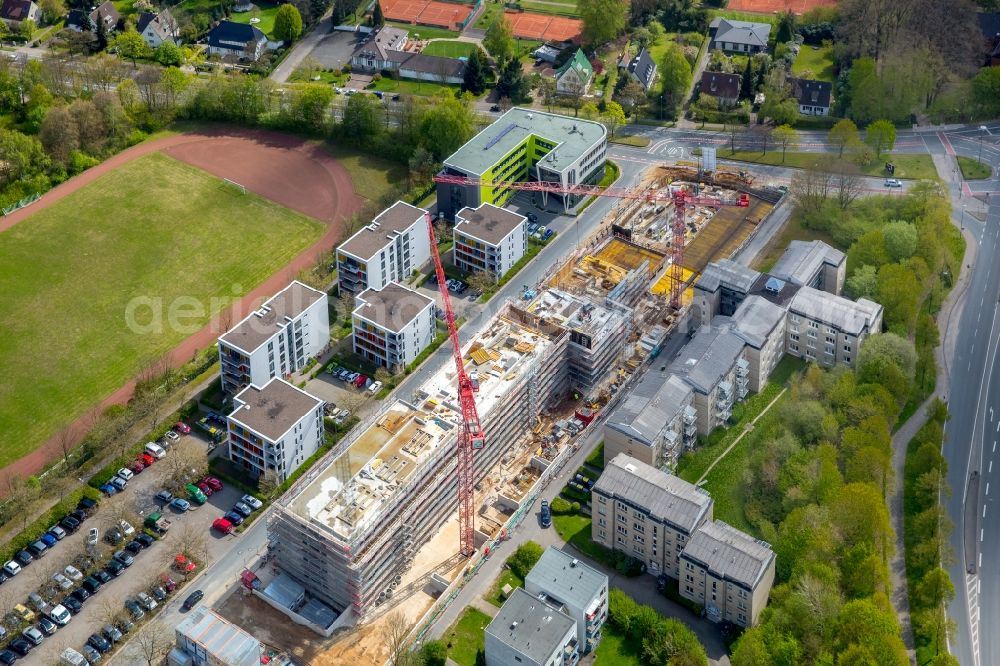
[(523, 145), (574, 77)]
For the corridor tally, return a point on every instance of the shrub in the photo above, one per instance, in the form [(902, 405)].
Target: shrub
[(525, 557), (37, 528), (560, 507)]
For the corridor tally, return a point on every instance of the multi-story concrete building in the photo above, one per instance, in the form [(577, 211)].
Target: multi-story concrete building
[(715, 364), (349, 531), (728, 572), (489, 239), (205, 638), (578, 589), (761, 325), (721, 288), (530, 632), (524, 144), (812, 264), (390, 249), (392, 325), (646, 513), (274, 428), (597, 333), (276, 339), (655, 422), (829, 329)]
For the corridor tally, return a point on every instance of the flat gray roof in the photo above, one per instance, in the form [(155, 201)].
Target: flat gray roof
[(665, 497), (755, 319), (729, 553), (655, 401), (393, 307), (566, 578), (388, 224), (804, 259), (271, 317), (273, 409), (841, 313), (706, 359), (530, 626), (487, 223), (573, 138), (220, 638), (729, 274)]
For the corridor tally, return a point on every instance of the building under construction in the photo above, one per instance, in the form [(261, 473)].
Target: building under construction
[(350, 532)]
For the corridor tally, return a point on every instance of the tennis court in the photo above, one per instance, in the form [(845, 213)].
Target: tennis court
[(772, 6), (528, 25), (427, 12)]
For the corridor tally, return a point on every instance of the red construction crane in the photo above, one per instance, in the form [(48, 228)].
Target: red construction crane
[(470, 432), (680, 198), (683, 199)]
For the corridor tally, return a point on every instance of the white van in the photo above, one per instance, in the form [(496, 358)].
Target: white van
[(71, 657), (155, 450)]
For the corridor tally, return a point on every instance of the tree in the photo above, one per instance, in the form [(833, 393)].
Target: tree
[(446, 126), (786, 28), (572, 95), (786, 137), (378, 19), (499, 40), (524, 558), (131, 46), (898, 292), (153, 642), (675, 73), (863, 282), (782, 110), (614, 117), (361, 119), (842, 135), (434, 653), (631, 96), (603, 20), (881, 136), (422, 166), (986, 91), (287, 23), (810, 187), (310, 107), (58, 134), (547, 90), (746, 84), (482, 281), (900, 240), (888, 348), (169, 54), (848, 182), (734, 130), (52, 10), (23, 156), (474, 80), (394, 632), (512, 83)]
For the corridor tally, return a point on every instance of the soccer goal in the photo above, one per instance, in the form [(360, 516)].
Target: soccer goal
[(233, 184)]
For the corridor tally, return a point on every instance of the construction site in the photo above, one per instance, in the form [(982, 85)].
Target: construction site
[(375, 528)]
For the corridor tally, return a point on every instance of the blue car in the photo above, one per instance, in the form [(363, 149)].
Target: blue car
[(108, 489), (179, 504), (548, 234), (48, 540)]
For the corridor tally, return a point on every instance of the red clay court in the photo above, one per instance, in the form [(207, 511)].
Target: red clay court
[(528, 25), (427, 12), (771, 6)]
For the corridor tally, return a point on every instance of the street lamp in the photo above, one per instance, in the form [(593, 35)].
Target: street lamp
[(982, 131), (963, 218)]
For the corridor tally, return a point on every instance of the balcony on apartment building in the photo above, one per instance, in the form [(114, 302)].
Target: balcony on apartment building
[(742, 378), (570, 654)]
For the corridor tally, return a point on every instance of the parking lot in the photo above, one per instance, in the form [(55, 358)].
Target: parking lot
[(189, 531)]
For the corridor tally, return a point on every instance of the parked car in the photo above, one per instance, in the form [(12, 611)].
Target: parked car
[(72, 604), (145, 459), (111, 633), (24, 558), (58, 532), (172, 436), (93, 536), (133, 547), (72, 573), (37, 602), (124, 558), (243, 509), (127, 528), (70, 524), (59, 615), (168, 583), (179, 504), (360, 381), (99, 643), (252, 502), (375, 388), (20, 646), (92, 585), (24, 613), (234, 517), (81, 595), (125, 625), (48, 540), (212, 483), (92, 655), (146, 601), (532, 217), (532, 228), (193, 599), (118, 482), (145, 540), (204, 488), (125, 474), (7, 657), (222, 525), (182, 428), (196, 495), (47, 626), (12, 568), (115, 568), (61, 580), (79, 514), (34, 635), (158, 593), (137, 467), (103, 576), (135, 609), (548, 234), (114, 536), (893, 182), (4, 577), (37, 549), (108, 489)]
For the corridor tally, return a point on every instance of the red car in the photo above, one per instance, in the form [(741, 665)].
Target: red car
[(212, 483), (168, 582), (145, 459), (361, 381), (222, 525), (182, 428), (137, 467), (205, 488)]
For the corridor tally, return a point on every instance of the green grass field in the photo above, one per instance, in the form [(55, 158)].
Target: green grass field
[(264, 11), (154, 229), (567, 9), (408, 87), (615, 649), (449, 48), (424, 31), (793, 230), (973, 170), (816, 61), (908, 166), (466, 636), (372, 176)]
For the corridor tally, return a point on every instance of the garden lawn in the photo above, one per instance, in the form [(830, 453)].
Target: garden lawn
[(973, 170), (908, 165), (793, 230), (506, 577), (552, 8), (449, 48), (155, 231), (466, 636), (264, 11), (491, 11), (615, 649), (817, 61), (424, 31), (407, 87), (372, 176), (575, 529)]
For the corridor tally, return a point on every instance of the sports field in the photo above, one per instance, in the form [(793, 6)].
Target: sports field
[(154, 229), (775, 6)]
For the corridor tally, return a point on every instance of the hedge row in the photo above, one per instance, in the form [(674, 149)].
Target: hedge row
[(41, 525)]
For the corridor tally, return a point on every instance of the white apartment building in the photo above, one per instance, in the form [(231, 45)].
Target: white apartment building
[(390, 249), (655, 422), (530, 632), (728, 572), (715, 364), (829, 329), (489, 239), (761, 325), (392, 325), (580, 590), (276, 339), (274, 427), (646, 513)]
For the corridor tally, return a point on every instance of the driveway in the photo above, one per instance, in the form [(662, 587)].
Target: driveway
[(143, 574)]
